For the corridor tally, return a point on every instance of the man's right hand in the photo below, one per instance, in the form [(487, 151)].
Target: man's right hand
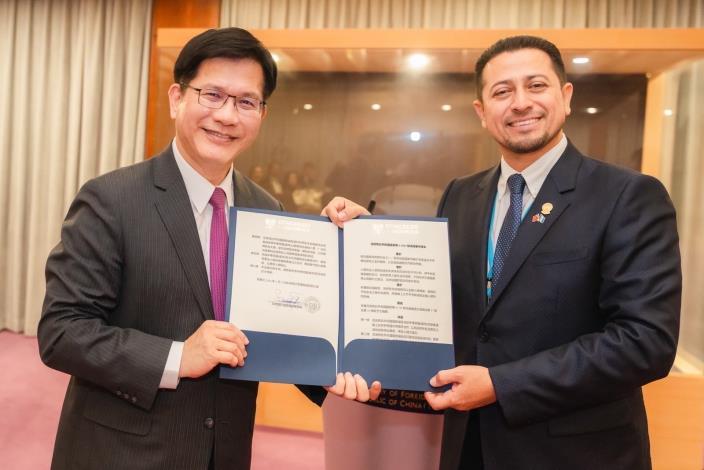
[(340, 210), (213, 343)]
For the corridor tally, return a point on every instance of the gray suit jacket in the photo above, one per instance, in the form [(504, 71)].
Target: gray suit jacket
[(586, 313), (127, 278)]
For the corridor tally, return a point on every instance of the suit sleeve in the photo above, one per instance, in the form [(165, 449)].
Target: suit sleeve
[(314, 393), (639, 299), (83, 278), (443, 199)]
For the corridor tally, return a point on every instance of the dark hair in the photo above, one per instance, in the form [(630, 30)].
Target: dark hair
[(231, 43), (515, 43)]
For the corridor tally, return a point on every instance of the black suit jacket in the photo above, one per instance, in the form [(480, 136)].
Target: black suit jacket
[(127, 278), (586, 313)]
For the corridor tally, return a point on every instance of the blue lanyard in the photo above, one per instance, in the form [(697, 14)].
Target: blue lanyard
[(490, 247)]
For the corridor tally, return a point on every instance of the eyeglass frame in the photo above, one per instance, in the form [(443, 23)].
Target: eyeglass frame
[(262, 103)]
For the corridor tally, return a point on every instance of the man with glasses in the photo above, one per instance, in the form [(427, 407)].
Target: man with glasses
[(135, 295)]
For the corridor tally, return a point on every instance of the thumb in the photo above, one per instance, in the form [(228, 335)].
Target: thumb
[(444, 377)]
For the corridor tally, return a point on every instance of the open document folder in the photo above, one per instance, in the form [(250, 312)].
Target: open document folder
[(313, 299)]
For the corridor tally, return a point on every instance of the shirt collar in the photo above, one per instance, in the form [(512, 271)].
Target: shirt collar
[(199, 189), (536, 172)]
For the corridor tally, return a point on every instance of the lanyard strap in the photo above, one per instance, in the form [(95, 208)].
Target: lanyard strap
[(490, 247)]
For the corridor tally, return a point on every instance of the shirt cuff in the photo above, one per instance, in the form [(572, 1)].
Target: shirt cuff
[(170, 378)]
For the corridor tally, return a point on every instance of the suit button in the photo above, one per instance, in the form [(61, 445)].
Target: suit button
[(118, 393), (126, 396), (483, 336), (134, 399), (209, 423)]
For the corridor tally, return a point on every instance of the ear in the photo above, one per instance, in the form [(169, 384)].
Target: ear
[(265, 112), (479, 109), (567, 90), (175, 97)]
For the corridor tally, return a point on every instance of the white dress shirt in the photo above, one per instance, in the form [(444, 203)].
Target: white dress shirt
[(199, 192), (534, 175)]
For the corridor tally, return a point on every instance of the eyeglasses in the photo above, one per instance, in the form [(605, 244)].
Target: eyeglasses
[(216, 99)]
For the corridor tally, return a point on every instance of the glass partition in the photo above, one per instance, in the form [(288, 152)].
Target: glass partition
[(400, 138), (398, 135), (682, 163)]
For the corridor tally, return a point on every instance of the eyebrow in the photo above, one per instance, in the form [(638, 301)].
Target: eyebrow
[(538, 75), (509, 81), (211, 86)]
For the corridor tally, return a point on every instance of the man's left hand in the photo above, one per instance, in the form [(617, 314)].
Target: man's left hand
[(354, 388), (471, 388)]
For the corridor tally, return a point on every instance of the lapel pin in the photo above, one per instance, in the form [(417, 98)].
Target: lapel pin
[(538, 218), (546, 209)]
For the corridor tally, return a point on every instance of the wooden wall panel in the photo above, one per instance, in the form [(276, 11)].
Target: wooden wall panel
[(284, 406), (675, 408), (653, 130), (202, 14), (587, 40)]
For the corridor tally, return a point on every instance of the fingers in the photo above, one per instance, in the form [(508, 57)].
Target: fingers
[(352, 210), (234, 337), (213, 343), (237, 352), (375, 390), (364, 393), (332, 209), (339, 386), (442, 400), (439, 401), (339, 210), (228, 358), (350, 387), (361, 388), (226, 338), (472, 387), (227, 331), (354, 387), (445, 377)]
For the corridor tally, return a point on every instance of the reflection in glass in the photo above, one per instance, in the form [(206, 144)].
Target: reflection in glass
[(400, 138)]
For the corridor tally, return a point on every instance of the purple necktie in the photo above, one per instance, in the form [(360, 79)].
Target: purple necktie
[(218, 253)]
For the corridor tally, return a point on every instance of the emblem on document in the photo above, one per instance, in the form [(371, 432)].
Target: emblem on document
[(311, 304)]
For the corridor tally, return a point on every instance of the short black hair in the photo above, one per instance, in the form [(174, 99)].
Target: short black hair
[(515, 43), (231, 43)]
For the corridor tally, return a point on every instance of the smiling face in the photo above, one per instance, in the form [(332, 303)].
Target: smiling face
[(210, 139), (523, 105)]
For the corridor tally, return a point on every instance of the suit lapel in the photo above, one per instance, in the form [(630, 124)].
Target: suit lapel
[(174, 207), (243, 196), (556, 190), (478, 230)]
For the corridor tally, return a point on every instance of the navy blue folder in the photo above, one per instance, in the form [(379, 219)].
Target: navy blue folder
[(284, 358)]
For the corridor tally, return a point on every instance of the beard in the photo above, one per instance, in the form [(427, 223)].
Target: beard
[(529, 145)]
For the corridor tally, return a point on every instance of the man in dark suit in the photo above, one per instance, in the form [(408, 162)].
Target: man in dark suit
[(134, 303), (566, 286)]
